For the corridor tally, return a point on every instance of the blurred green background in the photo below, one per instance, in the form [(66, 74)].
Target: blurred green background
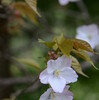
[(55, 19)]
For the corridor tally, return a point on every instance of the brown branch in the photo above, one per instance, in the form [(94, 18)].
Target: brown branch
[(33, 87), (27, 89), (18, 80)]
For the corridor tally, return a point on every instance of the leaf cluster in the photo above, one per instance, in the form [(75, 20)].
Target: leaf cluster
[(71, 46)]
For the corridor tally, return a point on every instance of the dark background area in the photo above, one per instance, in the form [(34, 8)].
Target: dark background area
[(23, 43)]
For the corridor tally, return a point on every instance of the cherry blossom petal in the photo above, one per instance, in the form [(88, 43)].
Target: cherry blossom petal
[(63, 62), (58, 73), (65, 95), (82, 37), (69, 75), (89, 33), (59, 63), (51, 95), (92, 29), (63, 2), (46, 94), (57, 83), (44, 77), (51, 66)]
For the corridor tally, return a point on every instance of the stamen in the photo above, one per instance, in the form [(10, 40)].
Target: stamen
[(56, 72)]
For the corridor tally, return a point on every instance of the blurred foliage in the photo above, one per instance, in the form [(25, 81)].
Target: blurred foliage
[(55, 20)]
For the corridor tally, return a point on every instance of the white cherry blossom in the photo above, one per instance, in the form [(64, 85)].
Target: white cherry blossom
[(51, 95), (89, 33), (58, 73), (65, 2)]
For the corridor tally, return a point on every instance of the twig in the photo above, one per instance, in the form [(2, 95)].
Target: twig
[(22, 91), (33, 87), (84, 10), (18, 80)]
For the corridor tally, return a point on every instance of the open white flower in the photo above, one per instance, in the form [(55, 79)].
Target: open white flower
[(89, 33), (51, 95), (58, 73), (65, 2)]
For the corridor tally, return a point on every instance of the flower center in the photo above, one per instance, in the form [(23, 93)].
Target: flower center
[(56, 72)]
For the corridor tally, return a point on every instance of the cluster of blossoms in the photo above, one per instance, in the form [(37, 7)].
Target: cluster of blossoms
[(65, 2), (58, 74), (89, 33)]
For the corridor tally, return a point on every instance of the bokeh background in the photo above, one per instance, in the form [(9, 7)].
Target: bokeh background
[(23, 43)]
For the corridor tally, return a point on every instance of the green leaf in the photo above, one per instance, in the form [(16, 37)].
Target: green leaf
[(77, 67), (66, 46), (53, 44), (29, 62), (33, 5), (26, 11), (81, 44), (58, 39), (49, 44), (84, 55)]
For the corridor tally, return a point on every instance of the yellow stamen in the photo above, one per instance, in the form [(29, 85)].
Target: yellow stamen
[(57, 72)]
